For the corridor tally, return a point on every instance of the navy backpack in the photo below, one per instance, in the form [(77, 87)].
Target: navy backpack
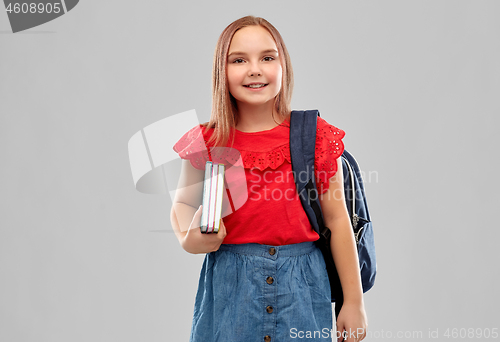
[(302, 149)]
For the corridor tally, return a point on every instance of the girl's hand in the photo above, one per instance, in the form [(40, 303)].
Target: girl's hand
[(351, 323), (196, 242)]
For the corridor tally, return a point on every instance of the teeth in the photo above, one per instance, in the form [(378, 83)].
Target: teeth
[(255, 85)]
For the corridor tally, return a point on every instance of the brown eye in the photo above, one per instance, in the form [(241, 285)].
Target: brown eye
[(270, 58), (237, 59)]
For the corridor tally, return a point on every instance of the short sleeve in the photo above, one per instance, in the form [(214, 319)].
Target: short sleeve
[(192, 146), (329, 147)]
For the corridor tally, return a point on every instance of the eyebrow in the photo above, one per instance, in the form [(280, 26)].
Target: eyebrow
[(243, 53)]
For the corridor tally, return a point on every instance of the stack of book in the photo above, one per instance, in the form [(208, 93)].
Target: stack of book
[(212, 197)]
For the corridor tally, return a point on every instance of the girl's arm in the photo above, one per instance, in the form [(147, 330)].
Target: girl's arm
[(352, 315), (186, 213)]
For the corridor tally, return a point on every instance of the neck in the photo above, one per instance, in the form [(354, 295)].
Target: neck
[(254, 118)]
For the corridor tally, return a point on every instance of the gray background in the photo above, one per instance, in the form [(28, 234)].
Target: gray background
[(415, 85)]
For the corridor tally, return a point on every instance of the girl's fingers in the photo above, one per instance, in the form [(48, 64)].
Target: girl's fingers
[(222, 230), (219, 237), (340, 330)]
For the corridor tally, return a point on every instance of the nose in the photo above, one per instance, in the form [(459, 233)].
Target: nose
[(254, 70)]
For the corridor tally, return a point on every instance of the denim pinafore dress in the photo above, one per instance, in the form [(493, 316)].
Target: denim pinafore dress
[(261, 293)]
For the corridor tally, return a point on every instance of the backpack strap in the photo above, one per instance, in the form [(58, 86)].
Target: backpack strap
[(302, 153), (302, 150)]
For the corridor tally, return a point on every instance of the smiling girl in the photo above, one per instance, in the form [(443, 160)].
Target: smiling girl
[(263, 277)]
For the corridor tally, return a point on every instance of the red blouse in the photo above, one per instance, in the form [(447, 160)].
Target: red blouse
[(273, 213)]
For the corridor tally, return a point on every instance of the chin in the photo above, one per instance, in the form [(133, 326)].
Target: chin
[(257, 103)]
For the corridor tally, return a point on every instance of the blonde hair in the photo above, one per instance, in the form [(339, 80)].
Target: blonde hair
[(224, 110)]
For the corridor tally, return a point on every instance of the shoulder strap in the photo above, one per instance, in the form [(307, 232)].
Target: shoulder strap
[(302, 152), (302, 143)]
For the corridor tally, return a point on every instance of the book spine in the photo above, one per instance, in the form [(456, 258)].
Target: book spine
[(213, 194), (206, 197), (220, 192)]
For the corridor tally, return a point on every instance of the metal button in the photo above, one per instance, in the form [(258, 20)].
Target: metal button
[(267, 338), (269, 280), (269, 309), (272, 250)]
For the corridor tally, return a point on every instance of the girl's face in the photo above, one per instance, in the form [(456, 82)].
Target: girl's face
[(253, 59)]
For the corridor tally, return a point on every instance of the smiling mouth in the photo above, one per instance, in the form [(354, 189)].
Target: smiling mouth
[(253, 86)]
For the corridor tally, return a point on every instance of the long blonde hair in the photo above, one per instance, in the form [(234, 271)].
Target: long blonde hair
[(224, 110)]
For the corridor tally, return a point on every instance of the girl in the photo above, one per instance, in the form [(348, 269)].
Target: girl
[(263, 278)]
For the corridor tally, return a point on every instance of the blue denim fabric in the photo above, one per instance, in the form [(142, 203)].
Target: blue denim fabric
[(235, 293)]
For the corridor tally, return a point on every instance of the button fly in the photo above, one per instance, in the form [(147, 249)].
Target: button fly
[(269, 309), (269, 280), (272, 250)]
